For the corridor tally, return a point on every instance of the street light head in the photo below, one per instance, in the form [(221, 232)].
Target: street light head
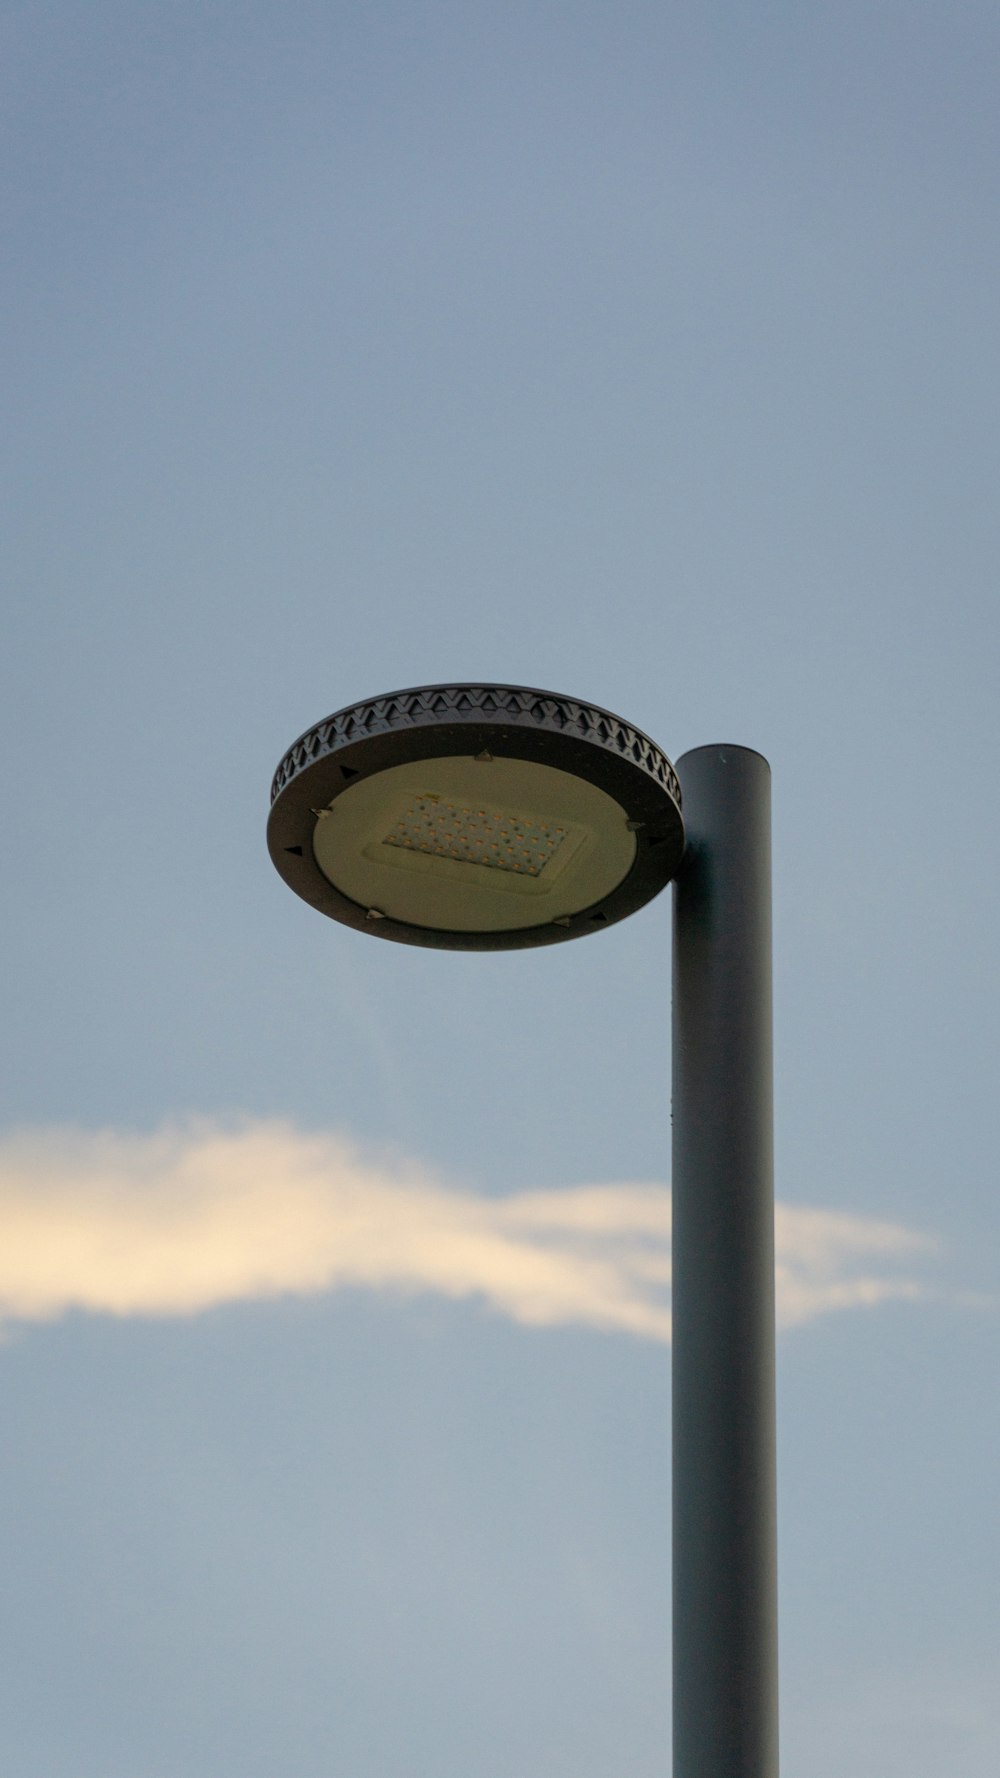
[(475, 817)]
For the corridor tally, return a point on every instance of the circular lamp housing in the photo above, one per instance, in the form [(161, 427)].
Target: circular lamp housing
[(475, 817)]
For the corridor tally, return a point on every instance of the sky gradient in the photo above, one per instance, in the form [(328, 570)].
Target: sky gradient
[(648, 354)]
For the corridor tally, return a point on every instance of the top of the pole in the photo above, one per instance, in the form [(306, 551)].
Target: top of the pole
[(721, 748)]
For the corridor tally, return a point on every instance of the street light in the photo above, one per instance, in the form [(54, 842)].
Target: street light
[(491, 817)]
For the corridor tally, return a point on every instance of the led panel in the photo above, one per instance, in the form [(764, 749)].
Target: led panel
[(477, 835)]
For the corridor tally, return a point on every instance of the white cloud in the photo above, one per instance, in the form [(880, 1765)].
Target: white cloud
[(200, 1215), (827, 1260)]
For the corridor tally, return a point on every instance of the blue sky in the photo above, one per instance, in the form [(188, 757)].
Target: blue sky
[(648, 354)]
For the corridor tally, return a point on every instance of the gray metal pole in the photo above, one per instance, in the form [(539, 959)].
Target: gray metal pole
[(724, 1489)]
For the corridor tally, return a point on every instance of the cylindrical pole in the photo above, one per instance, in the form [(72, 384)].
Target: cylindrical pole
[(724, 1489)]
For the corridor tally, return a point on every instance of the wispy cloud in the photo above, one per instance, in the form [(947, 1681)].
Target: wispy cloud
[(200, 1215)]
